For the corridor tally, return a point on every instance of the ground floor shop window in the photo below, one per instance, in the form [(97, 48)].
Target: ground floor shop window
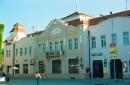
[(73, 65), (25, 68), (41, 67), (56, 66), (17, 70)]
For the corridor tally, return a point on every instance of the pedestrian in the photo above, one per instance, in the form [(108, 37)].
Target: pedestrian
[(38, 77), (44, 75), (3, 74), (8, 77)]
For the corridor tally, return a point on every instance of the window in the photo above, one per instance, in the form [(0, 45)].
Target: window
[(17, 70), (44, 46), (56, 66), (93, 42), (76, 43), (51, 46), (21, 51), (126, 38), (25, 68), (25, 49), (73, 65), (16, 52), (70, 44), (61, 45), (114, 38), (7, 53), (30, 50), (41, 67), (56, 46), (103, 41), (40, 45)]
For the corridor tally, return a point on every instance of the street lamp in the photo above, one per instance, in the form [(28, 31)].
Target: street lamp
[(126, 5), (113, 44)]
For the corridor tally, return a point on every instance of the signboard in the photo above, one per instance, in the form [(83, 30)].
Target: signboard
[(113, 50), (97, 54)]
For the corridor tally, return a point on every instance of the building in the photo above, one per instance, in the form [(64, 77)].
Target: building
[(60, 49), (67, 46), (110, 45)]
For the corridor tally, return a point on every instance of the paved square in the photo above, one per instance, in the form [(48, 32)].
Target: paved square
[(68, 82)]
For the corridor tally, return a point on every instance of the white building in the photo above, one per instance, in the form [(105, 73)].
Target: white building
[(104, 32)]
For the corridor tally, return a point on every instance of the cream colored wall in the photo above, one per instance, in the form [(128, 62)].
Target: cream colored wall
[(66, 33), (25, 59)]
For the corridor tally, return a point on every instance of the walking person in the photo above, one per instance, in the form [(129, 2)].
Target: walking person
[(38, 77), (8, 77), (45, 75)]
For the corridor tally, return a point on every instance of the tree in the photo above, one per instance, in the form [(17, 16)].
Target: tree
[(1, 41)]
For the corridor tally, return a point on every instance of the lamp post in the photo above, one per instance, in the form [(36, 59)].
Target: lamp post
[(126, 5), (114, 60), (113, 44)]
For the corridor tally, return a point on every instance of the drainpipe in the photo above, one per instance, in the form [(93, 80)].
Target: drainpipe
[(13, 72), (89, 52)]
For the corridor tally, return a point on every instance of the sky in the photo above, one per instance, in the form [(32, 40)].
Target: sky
[(38, 13)]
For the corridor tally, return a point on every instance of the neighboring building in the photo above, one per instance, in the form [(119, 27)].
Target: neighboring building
[(110, 45), (67, 46), (58, 50)]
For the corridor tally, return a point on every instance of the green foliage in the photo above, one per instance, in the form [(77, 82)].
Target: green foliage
[(1, 27), (1, 38)]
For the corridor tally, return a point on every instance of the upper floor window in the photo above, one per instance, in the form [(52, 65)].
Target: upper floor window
[(30, 50), (126, 38), (7, 53), (56, 46), (103, 41), (70, 44), (93, 42), (76, 43), (61, 45), (21, 51), (51, 47), (114, 38), (44, 46), (16, 52), (25, 49)]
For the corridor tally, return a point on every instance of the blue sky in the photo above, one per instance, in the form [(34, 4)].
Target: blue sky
[(39, 13)]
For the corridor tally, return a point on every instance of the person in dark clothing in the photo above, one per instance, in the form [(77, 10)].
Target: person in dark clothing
[(3, 74), (8, 77)]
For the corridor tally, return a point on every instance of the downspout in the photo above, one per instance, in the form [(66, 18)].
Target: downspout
[(89, 52)]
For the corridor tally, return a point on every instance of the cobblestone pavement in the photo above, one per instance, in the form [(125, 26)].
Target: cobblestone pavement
[(68, 82)]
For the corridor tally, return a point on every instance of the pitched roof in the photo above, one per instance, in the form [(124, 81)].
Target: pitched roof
[(18, 28), (97, 20), (35, 33), (74, 14)]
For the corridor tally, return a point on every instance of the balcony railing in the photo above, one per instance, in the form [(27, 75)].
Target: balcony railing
[(54, 54)]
